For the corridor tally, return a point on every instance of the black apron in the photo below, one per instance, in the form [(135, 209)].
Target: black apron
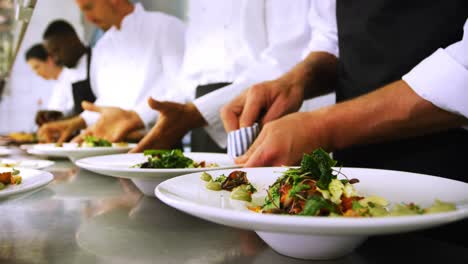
[(200, 141), (82, 89), (380, 41)]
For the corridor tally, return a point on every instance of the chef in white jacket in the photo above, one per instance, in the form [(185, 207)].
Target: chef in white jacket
[(232, 44), (137, 51)]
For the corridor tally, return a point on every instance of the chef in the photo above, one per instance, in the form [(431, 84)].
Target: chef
[(230, 44), (65, 47), (400, 70), (136, 53), (61, 100), (399, 85)]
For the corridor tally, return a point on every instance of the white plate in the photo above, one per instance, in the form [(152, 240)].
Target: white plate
[(147, 179), (31, 180), (30, 164), (311, 237), (5, 152), (75, 152)]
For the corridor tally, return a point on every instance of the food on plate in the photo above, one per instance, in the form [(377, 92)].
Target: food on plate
[(22, 138), (120, 144), (236, 182), (170, 159), (92, 141), (313, 189), (9, 178), (9, 164)]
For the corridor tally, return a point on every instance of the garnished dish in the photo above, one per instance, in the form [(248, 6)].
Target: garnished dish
[(314, 189), (22, 137), (9, 178), (170, 159), (92, 141)]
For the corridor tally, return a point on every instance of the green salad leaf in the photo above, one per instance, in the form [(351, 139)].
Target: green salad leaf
[(93, 141)]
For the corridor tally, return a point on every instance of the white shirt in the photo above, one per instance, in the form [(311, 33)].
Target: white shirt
[(243, 42), (62, 95), (130, 64), (442, 78)]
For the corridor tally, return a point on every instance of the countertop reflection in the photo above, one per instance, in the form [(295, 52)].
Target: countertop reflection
[(83, 217)]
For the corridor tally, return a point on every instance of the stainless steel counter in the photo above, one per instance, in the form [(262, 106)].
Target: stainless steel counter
[(83, 217)]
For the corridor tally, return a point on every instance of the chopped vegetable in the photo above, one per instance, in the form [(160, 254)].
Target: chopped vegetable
[(10, 178), (236, 182), (91, 141), (169, 159)]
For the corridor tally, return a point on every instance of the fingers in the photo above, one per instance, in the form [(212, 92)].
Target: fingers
[(253, 148), (254, 103), (78, 139), (63, 137), (91, 107), (45, 134), (147, 140), (163, 107), (230, 113)]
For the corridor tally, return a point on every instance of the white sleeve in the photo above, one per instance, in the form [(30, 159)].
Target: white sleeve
[(442, 78), (58, 100), (172, 47), (284, 47), (324, 31)]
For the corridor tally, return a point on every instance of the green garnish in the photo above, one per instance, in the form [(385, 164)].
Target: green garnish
[(92, 141)]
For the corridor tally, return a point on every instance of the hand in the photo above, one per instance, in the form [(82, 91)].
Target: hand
[(60, 131), (284, 141), (175, 120), (277, 98), (114, 123)]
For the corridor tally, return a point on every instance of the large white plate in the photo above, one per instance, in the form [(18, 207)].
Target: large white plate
[(318, 237), (75, 152), (146, 180), (31, 180), (30, 164)]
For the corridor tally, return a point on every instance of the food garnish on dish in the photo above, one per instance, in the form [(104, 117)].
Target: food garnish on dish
[(313, 189), (170, 159), (9, 178)]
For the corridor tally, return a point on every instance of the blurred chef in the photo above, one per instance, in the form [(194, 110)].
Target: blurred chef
[(65, 47), (138, 51), (231, 44), (60, 101)]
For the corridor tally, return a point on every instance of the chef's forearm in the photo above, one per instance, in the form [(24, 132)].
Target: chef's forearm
[(316, 74), (394, 111)]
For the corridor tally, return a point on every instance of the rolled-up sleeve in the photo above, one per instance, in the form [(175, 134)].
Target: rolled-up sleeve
[(442, 78), (324, 31)]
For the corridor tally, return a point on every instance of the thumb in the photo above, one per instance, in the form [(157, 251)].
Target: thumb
[(162, 106), (90, 106)]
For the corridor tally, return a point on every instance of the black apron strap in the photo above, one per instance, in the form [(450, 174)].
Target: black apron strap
[(200, 140), (82, 89)]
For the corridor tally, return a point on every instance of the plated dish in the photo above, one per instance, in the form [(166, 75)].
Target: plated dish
[(146, 179), (31, 164), (313, 236), (29, 180), (74, 151)]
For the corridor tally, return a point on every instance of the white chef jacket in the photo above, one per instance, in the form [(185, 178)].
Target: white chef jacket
[(62, 95), (243, 42), (442, 78), (130, 64)]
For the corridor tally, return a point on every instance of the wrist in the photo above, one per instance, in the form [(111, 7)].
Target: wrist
[(197, 119)]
